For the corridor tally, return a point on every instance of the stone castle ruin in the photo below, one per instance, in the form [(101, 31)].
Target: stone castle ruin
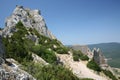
[(96, 54), (99, 58)]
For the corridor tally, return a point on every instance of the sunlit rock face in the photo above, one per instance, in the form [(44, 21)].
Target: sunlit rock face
[(29, 18), (99, 58), (84, 49)]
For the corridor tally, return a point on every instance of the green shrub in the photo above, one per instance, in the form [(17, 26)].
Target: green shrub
[(86, 79), (62, 50), (16, 47), (79, 55), (92, 65), (47, 55), (109, 74), (19, 24), (84, 58), (50, 72), (76, 58), (76, 55)]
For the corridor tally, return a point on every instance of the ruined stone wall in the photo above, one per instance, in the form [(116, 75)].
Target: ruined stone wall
[(99, 58)]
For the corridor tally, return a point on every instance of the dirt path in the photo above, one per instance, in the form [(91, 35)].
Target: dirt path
[(79, 68)]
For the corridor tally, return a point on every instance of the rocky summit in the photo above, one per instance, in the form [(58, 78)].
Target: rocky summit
[(29, 18)]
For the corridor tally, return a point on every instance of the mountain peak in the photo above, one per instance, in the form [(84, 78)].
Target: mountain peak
[(29, 18)]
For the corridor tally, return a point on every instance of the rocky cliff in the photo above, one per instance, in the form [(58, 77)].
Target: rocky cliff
[(29, 18)]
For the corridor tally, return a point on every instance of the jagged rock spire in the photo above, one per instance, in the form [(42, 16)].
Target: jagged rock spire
[(99, 58), (29, 18)]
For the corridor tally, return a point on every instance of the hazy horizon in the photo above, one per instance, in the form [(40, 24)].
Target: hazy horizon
[(74, 21)]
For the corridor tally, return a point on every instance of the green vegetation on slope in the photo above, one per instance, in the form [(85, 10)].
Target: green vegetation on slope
[(19, 47), (16, 47), (94, 66), (79, 55), (50, 72), (109, 74), (47, 55)]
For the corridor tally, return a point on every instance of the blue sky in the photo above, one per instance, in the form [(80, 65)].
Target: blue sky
[(74, 21)]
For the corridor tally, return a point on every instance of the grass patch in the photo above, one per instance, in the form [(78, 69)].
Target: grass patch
[(109, 74), (79, 55), (94, 66)]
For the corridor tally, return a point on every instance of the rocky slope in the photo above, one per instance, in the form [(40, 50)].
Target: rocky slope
[(79, 68), (40, 55)]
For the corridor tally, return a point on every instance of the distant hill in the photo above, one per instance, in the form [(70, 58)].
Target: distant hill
[(111, 52)]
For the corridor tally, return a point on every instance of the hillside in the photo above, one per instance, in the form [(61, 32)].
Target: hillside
[(29, 51), (111, 52)]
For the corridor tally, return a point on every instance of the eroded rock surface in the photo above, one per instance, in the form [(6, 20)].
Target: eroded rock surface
[(29, 18)]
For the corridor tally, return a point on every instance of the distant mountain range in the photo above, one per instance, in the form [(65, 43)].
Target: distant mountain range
[(111, 52)]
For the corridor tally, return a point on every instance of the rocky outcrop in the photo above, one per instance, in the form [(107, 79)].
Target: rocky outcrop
[(38, 59), (13, 72), (29, 18), (99, 58), (84, 49)]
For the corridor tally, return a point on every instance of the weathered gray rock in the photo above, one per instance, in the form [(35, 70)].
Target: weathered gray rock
[(84, 49), (99, 58), (13, 72), (29, 18)]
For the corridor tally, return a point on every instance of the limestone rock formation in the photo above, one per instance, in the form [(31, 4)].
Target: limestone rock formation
[(13, 72), (99, 58), (29, 18), (84, 49)]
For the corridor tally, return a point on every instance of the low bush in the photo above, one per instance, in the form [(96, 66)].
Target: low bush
[(50, 72), (62, 50), (79, 55), (86, 79), (16, 47), (47, 55), (94, 66), (84, 58), (109, 74)]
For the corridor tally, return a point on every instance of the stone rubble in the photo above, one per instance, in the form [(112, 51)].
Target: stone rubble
[(13, 72)]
